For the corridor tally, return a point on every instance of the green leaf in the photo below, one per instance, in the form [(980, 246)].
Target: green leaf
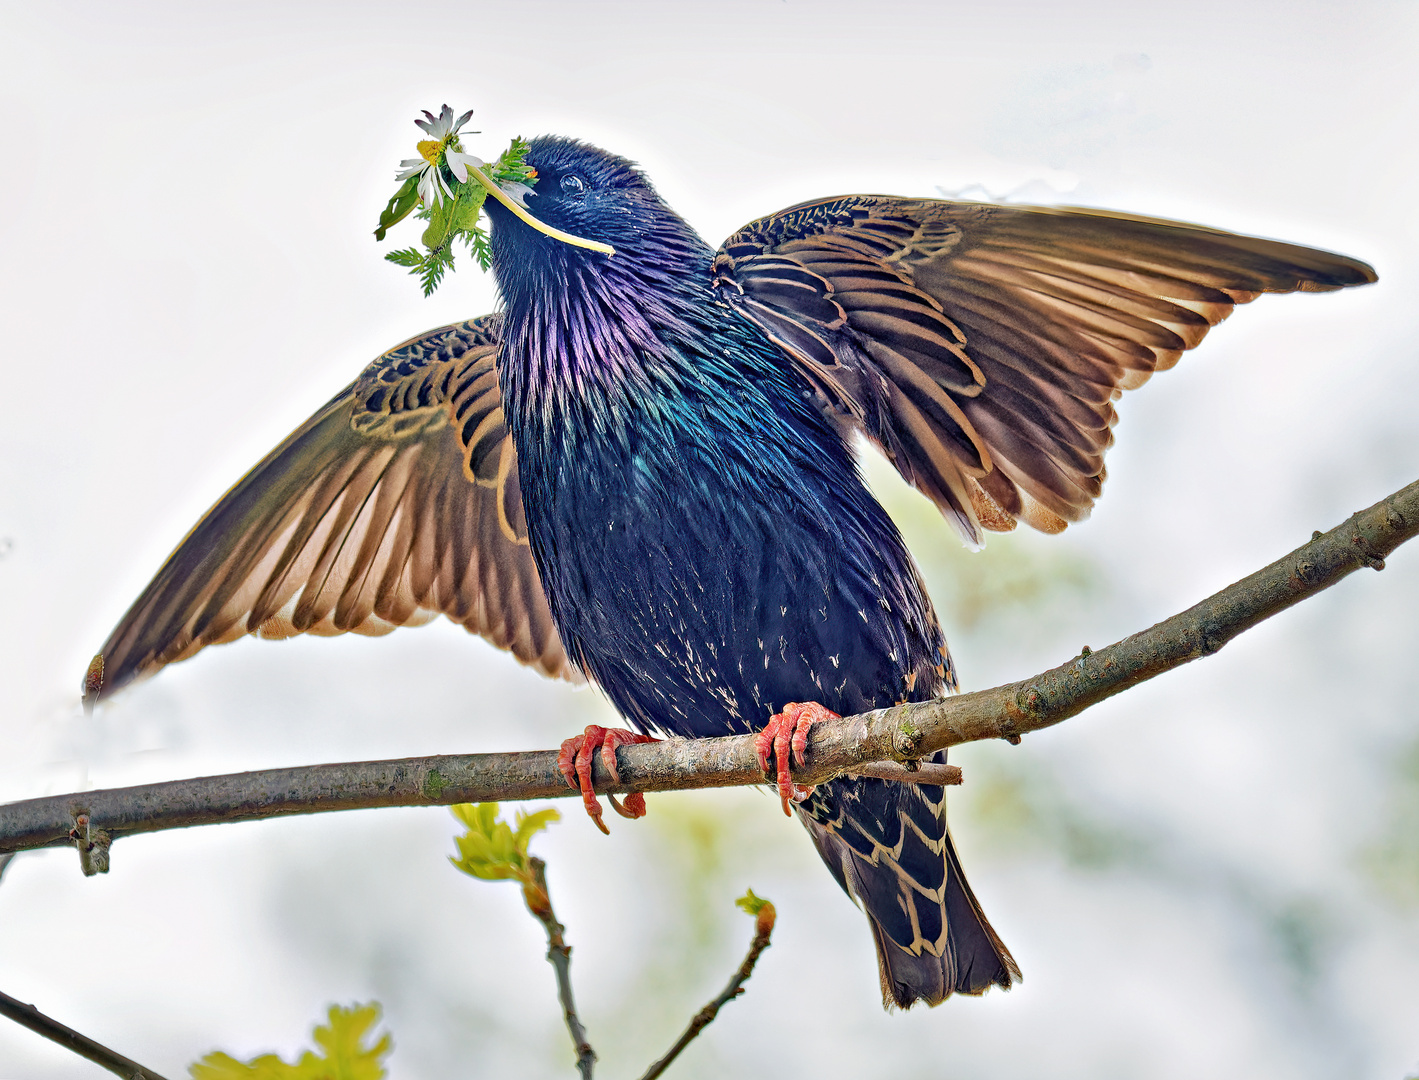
[(750, 904), (400, 206), (430, 267), (478, 245), (345, 1055), (436, 236), (467, 208), (529, 825), (512, 167), (762, 911), (491, 849), (434, 268)]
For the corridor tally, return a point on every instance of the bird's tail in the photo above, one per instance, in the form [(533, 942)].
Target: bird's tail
[(887, 844)]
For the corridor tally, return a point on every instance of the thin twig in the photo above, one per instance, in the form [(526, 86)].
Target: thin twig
[(30, 1017), (559, 955), (903, 733), (92, 845), (763, 930), (926, 772)]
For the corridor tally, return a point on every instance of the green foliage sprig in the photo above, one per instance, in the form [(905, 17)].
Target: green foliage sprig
[(444, 186), (344, 1055), (762, 910), (493, 850)]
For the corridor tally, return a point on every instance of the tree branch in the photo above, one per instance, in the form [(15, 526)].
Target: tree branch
[(763, 930), (559, 955), (903, 733), (30, 1017)]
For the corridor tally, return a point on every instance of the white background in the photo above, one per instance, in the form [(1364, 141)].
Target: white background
[(1211, 875)]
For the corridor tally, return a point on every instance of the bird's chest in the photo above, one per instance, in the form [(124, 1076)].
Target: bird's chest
[(708, 551), (681, 554), (704, 586)]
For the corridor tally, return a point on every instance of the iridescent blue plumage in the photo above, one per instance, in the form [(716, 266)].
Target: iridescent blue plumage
[(709, 550), (707, 546)]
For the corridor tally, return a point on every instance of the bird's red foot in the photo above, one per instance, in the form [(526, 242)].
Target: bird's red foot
[(574, 761), (789, 730)]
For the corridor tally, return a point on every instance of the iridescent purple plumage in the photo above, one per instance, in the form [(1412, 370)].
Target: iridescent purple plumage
[(709, 551)]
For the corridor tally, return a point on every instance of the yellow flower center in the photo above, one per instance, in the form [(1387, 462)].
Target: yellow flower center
[(429, 150)]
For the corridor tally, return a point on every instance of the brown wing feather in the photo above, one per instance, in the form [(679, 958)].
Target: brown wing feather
[(396, 502), (982, 347)]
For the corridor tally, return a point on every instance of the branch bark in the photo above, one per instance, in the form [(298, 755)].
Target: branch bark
[(763, 930), (904, 733), (30, 1017), (559, 955)]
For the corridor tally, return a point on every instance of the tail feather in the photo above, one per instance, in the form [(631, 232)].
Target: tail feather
[(888, 846)]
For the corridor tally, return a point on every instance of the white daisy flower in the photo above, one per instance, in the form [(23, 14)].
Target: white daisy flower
[(459, 162), (442, 127), (440, 148), (444, 150), (432, 187)]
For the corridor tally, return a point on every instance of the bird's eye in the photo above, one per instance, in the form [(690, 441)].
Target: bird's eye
[(572, 184)]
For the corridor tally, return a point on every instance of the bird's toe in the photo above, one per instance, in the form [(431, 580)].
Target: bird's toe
[(786, 734), (574, 763)]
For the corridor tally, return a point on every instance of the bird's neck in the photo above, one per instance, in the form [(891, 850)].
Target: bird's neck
[(591, 342), (628, 370)]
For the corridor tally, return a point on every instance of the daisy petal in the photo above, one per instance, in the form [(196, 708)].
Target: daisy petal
[(459, 162), (427, 192)]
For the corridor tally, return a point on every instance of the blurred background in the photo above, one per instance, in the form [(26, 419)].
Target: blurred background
[(1214, 874)]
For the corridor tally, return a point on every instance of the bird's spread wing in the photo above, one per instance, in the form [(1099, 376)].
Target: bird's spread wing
[(395, 502), (981, 346)]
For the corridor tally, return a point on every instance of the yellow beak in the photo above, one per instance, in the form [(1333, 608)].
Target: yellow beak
[(556, 234)]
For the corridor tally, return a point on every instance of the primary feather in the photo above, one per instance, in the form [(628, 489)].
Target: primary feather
[(642, 471)]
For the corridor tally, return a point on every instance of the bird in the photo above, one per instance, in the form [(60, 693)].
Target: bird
[(642, 471)]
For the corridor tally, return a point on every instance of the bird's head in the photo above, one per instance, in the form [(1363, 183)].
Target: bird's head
[(585, 191), (592, 194)]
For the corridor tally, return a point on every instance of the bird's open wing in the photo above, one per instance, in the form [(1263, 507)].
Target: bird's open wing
[(981, 346), (395, 502)]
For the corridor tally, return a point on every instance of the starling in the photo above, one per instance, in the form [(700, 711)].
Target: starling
[(642, 472)]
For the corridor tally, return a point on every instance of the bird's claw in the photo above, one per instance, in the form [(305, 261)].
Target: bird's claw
[(574, 763), (787, 732)]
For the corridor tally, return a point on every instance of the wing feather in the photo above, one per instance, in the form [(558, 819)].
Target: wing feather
[(396, 502), (982, 347)]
